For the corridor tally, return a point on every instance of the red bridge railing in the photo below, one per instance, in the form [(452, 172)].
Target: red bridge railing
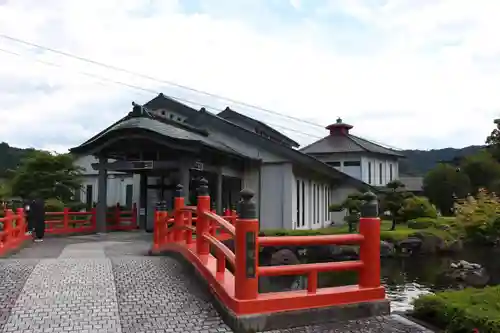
[(13, 226), (12, 231), (237, 285)]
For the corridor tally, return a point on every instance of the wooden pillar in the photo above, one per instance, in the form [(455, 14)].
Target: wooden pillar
[(185, 176), (102, 194), (219, 192), (143, 200)]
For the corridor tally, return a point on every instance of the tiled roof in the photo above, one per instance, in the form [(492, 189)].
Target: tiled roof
[(166, 128), (230, 115), (347, 143), (412, 184)]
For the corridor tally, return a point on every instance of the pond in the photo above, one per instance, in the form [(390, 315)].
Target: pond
[(405, 278)]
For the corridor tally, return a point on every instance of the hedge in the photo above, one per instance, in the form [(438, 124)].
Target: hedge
[(461, 311)]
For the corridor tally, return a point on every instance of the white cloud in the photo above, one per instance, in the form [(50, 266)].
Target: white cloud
[(426, 75)]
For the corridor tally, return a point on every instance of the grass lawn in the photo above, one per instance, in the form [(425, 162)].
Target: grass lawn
[(461, 311), (402, 231)]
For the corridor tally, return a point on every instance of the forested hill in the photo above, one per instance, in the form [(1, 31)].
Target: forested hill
[(10, 157), (418, 162)]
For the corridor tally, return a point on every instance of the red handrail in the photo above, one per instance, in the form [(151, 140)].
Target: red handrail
[(221, 222), (311, 240), (239, 289)]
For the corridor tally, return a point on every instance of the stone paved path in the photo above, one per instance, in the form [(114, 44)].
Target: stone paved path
[(107, 283)]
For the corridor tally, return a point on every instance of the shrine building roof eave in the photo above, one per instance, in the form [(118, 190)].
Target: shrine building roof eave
[(163, 134)]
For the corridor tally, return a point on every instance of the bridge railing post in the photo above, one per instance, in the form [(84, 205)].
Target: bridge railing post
[(246, 248), (202, 246), (7, 227), (93, 219), (369, 250), (157, 231), (134, 216), (178, 213), (21, 222)]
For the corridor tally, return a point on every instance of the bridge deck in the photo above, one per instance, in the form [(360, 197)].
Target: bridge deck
[(107, 283)]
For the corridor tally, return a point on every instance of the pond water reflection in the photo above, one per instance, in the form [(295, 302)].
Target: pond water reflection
[(404, 278)]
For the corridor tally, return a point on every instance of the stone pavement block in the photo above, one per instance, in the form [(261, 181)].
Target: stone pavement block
[(154, 294), (13, 276), (65, 295)]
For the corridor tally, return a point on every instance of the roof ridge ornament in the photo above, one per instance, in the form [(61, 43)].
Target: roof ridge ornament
[(139, 111)]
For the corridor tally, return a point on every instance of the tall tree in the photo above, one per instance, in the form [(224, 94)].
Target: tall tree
[(393, 200), (45, 176), (483, 170), (443, 184), (493, 141)]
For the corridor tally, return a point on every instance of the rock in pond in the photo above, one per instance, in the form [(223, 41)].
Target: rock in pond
[(410, 245), (387, 249), (471, 274)]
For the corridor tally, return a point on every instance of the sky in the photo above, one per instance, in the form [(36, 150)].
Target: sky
[(408, 74)]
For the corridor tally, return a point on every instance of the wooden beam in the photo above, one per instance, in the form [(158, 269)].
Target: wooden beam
[(136, 165)]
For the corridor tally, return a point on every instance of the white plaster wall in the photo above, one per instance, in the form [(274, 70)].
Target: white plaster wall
[(379, 177), (117, 182), (86, 161), (361, 172), (116, 189), (339, 194)]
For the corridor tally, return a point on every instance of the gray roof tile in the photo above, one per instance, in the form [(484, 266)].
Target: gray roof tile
[(346, 144)]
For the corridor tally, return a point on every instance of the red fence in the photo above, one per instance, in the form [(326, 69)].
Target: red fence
[(13, 231), (237, 286), (14, 226)]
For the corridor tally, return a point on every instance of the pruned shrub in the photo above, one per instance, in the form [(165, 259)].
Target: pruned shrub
[(417, 207)]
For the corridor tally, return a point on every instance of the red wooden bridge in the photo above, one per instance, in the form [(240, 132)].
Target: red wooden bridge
[(197, 236), (196, 233)]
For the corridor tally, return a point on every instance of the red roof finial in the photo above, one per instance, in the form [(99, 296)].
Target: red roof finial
[(339, 127)]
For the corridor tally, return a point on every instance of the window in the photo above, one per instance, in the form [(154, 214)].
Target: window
[(314, 203), (380, 172), (390, 172), (317, 203), (89, 197), (303, 204), (326, 202), (352, 163), (369, 172), (333, 164), (298, 202), (129, 192)]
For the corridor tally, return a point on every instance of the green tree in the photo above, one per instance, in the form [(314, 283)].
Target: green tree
[(46, 176), (483, 170), (415, 207), (493, 141), (393, 200), (4, 191), (352, 204), (443, 184)]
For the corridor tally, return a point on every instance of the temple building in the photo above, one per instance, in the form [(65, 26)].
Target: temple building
[(144, 155), (362, 159)]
